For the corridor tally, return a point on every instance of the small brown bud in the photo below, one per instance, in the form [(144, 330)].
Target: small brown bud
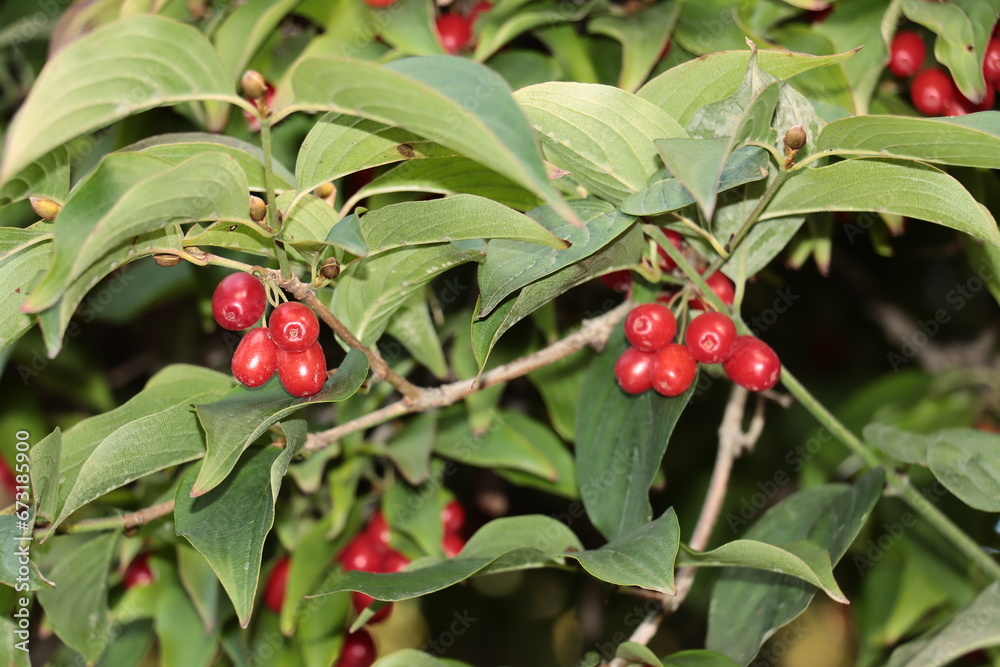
[(324, 190), (45, 208), (258, 209), (330, 269), (795, 138), (253, 85), (166, 260)]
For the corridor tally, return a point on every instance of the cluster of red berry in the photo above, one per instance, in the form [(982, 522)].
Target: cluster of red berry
[(287, 345), (654, 361), (932, 91)]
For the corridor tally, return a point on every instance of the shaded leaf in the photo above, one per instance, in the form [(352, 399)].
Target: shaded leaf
[(26, 253), (643, 36), (245, 29), (46, 177), (965, 461)]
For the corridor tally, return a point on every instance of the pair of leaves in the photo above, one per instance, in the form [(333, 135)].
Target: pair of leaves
[(963, 459)]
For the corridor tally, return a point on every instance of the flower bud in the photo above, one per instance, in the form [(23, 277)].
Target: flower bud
[(166, 260), (324, 190), (258, 209), (253, 85), (45, 208), (330, 269), (795, 138)]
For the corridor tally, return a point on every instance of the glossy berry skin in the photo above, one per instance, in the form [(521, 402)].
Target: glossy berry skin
[(358, 650), (302, 373), (453, 517), (452, 544), (650, 326), (378, 529), (454, 32), (255, 358), (138, 572), (991, 62), (960, 105), (274, 590), (238, 301), (723, 288), (361, 554), (393, 562), (752, 364), (293, 326), (619, 281), (634, 370), (673, 370), (710, 337), (931, 91), (907, 53)]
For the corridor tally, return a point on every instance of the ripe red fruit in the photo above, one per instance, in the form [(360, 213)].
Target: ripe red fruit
[(302, 373), (361, 600), (666, 263), (959, 104), (378, 529), (454, 32), (138, 572), (650, 326), (7, 480), (361, 554), (634, 370), (931, 91), (710, 337), (393, 562), (358, 650), (619, 281), (453, 516), (673, 370), (723, 288), (238, 301), (752, 364), (452, 544), (379, 4), (274, 590), (256, 358), (991, 62), (293, 326), (907, 53)]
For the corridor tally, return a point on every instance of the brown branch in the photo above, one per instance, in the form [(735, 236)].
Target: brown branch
[(592, 333), (125, 521)]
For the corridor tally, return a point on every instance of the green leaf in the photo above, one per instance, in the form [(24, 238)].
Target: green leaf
[(131, 194), (802, 559), (884, 186), (452, 101), (113, 72), (179, 630), (25, 254), (900, 445), (450, 176), (682, 90), (749, 605), (201, 584), (697, 165), (141, 447), (409, 657), (510, 265), (524, 67), (310, 559), (602, 135), (965, 631), (642, 557), (965, 461), (77, 608), (697, 658), (643, 36), (245, 29), (620, 441), (413, 328), (235, 421), (46, 455), (228, 525), (638, 653), (458, 218), (370, 291), (414, 514), (16, 533), (503, 23), (665, 193), (410, 28), (177, 147), (560, 384), (620, 254), (510, 442), (410, 449), (309, 224), (966, 141), (47, 177)]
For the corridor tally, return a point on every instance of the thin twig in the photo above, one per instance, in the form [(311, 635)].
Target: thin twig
[(733, 441), (126, 521), (592, 333)]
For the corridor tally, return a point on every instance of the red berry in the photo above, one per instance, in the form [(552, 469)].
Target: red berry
[(907, 53), (302, 373), (238, 301), (991, 62), (673, 370), (723, 288), (650, 326), (479, 9), (393, 562), (453, 517), (256, 358), (931, 91), (361, 554), (293, 326), (619, 281), (358, 650), (752, 364), (710, 337), (666, 263), (454, 32), (960, 105), (361, 600), (634, 370), (274, 590), (379, 4), (378, 530), (452, 544), (7, 480), (138, 572)]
